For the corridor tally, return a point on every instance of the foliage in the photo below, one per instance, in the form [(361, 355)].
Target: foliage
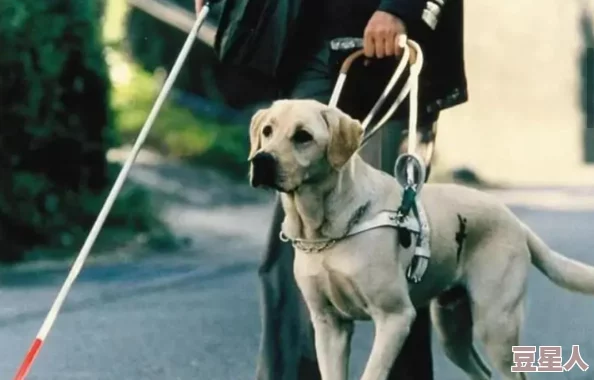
[(177, 131), (56, 127), (153, 44)]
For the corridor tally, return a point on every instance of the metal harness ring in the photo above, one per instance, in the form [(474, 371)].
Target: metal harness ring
[(283, 237), (414, 162)]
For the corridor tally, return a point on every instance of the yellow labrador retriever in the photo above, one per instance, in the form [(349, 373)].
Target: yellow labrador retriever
[(306, 151)]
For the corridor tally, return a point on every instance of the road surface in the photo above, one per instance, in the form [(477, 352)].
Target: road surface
[(194, 315)]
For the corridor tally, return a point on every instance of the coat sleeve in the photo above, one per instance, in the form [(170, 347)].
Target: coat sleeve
[(415, 12)]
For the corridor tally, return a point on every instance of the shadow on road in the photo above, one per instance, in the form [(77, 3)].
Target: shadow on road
[(192, 277)]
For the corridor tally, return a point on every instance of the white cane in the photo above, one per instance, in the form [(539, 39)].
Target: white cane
[(115, 190)]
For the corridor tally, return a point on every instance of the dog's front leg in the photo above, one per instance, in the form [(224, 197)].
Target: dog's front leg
[(333, 340), (391, 331)]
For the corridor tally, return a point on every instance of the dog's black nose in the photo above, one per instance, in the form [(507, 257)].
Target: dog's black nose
[(263, 169)]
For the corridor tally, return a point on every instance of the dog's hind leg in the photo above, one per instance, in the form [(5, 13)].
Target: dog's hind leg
[(452, 319), (496, 292), (499, 334)]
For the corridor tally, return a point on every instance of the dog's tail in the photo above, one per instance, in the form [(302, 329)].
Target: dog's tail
[(563, 271)]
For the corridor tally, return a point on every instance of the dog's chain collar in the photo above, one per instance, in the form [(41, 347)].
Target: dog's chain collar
[(309, 246), (385, 218), (418, 225)]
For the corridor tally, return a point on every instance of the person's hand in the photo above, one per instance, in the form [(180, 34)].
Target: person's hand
[(199, 4), (381, 34)]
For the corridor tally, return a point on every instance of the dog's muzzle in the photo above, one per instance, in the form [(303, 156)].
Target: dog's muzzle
[(264, 170)]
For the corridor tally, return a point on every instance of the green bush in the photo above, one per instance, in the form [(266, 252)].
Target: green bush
[(56, 127), (177, 132), (153, 44)]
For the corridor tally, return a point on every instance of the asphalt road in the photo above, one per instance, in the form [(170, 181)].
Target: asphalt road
[(195, 315)]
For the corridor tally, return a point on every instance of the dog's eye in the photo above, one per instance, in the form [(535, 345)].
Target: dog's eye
[(267, 130), (302, 136)]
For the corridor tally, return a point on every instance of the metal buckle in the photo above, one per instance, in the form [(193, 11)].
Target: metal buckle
[(401, 166)]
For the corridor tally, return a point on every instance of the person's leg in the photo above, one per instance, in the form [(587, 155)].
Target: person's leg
[(287, 349)]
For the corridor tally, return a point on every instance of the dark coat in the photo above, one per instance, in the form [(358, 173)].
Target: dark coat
[(268, 37), (443, 76)]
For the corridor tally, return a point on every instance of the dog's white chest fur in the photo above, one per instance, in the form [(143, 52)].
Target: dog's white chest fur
[(340, 277), (329, 275)]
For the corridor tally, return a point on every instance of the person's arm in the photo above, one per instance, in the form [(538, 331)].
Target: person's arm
[(199, 4), (414, 11), (391, 20)]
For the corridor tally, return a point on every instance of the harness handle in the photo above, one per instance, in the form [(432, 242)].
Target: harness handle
[(348, 62), (411, 163), (410, 88)]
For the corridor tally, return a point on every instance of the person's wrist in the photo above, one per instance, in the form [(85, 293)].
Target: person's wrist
[(393, 11)]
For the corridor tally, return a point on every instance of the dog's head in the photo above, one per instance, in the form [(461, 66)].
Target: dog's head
[(299, 141)]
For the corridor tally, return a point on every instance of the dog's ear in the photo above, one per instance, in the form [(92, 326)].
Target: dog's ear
[(255, 127), (346, 135)]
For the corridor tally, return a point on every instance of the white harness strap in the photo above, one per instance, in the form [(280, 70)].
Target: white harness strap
[(420, 260), (409, 161), (385, 218), (418, 225), (411, 86)]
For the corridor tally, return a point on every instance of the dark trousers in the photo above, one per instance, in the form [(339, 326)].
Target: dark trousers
[(287, 349)]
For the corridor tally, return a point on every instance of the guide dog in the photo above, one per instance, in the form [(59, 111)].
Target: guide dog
[(480, 251)]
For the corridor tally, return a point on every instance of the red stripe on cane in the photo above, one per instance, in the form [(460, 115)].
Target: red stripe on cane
[(26, 365)]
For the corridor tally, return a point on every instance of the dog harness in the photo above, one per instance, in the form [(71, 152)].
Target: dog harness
[(409, 168), (385, 218), (415, 223)]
